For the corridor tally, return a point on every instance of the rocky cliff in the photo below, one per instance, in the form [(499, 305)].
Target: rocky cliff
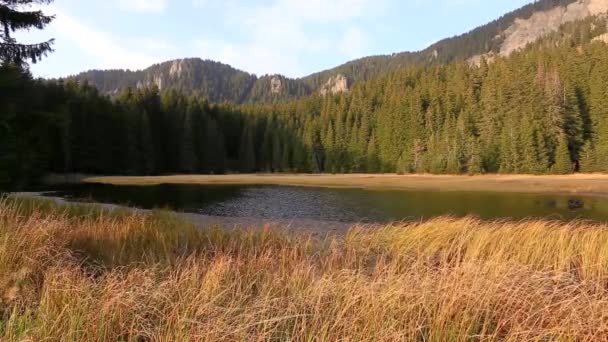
[(335, 85), (525, 31)]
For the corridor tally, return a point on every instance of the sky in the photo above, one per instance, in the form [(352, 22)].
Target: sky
[(290, 37)]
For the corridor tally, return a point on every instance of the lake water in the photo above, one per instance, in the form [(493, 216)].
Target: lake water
[(341, 205)]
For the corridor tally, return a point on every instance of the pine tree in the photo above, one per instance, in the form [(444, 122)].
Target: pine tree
[(11, 20), (534, 158), (475, 162), (373, 161), (331, 159), (509, 152), (286, 161), (563, 160), (277, 154), (15, 87), (267, 150), (247, 150), (214, 155), (145, 149), (402, 165), (187, 153), (588, 161), (419, 150), (301, 159)]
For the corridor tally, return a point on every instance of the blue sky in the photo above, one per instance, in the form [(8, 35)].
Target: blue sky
[(291, 37)]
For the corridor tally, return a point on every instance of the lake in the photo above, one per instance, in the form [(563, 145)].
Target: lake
[(340, 205)]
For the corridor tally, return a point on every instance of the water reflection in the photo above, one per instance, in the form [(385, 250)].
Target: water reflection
[(344, 205)]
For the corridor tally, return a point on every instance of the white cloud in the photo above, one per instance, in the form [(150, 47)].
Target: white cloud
[(105, 50), (143, 5), (279, 36), (154, 44), (249, 57), (200, 3), (323, 9), (354, 42)]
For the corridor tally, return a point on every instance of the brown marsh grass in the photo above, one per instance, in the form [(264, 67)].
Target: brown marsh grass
[(582, 184), (78, 273)]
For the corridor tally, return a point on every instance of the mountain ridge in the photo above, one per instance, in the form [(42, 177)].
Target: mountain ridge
[(219, 82)]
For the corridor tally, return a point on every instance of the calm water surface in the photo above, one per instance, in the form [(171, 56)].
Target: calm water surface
[(343, 205)]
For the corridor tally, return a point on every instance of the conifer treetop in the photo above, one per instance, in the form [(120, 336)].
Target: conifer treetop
[(14, 17)]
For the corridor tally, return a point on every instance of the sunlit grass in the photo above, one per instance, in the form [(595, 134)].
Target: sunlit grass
[(582, 184), (79, 273)]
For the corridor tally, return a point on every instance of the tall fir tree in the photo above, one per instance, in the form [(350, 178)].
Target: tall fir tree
[(563, 160), (247, 158), (588, 159), (187, 152), (14, 18)]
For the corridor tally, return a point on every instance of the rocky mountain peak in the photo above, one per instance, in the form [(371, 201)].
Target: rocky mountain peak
[(525, 31), (177, 68), (276, 85), (335, 85)]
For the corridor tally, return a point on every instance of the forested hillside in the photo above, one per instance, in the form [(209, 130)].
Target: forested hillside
[(211, 80), (219, 82), (482, 40), (541, 110), (216, 81)]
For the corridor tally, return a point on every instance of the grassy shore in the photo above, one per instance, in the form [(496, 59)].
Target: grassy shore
[(584, 184), (81, 273)]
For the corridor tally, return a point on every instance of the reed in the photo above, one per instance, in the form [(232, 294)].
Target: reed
[(77, 273)]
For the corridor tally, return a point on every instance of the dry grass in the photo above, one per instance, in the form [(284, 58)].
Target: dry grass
[(585, 184), (79, 274)]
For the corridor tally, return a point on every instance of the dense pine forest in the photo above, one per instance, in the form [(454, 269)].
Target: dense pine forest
[(541, 110)]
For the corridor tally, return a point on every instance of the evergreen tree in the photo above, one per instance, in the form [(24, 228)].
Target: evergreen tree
[(373, 162), (286, 161), (247, 150), (146, 147), (475, 162), (267, 150), (402, 165), (187, 152), (11, 20), (215, 151), (563, 161), (279, 148), (588, 161), (331, 160)]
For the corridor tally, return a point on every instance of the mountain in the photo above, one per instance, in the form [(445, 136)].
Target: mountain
[(220, 82)]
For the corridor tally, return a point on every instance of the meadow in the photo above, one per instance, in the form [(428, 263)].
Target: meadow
[(583, 184), (84, 273)]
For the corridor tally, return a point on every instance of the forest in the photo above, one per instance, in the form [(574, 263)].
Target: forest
[(541, 110)]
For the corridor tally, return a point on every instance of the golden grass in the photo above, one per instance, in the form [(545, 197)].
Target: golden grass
[(585, 184), (74, 273)]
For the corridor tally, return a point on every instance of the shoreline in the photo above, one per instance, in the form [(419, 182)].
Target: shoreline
[(316, 228), (578, 184)]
